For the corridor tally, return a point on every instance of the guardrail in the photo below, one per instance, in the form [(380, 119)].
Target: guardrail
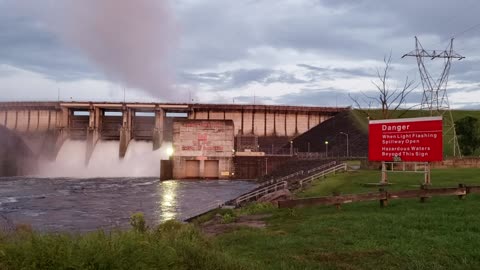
[(284, 184), (382, 196), (261, 192), (323, 173), (324, 166), (284, 178), (299, 173)]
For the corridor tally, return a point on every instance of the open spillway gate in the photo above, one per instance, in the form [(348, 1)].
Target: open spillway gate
[(121, 122)]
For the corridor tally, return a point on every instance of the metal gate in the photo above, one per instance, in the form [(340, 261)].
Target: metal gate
[(211, 169), (192, 169)]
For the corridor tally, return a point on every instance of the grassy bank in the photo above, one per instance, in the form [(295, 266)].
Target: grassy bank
[(440, 234), (170, 246), (357, 181)]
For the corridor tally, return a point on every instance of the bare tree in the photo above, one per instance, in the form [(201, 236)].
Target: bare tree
[(388, 100)]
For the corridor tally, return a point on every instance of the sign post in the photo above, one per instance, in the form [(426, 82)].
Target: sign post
[(403, 140)]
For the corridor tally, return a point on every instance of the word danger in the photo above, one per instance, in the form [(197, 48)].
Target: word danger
[(395, 127)]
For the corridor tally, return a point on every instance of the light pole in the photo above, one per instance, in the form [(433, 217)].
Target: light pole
[(266, 166), (291, 148), (326, 148), (346, 134)]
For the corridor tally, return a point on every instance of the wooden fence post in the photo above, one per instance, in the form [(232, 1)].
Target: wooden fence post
[(423, 198), (383, 201), (461, 197)]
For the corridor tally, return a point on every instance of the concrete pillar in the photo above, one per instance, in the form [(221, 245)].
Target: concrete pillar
[(158, 130), (93, 131), (61, 133), (62, 121), (202, 168), (125, 131)]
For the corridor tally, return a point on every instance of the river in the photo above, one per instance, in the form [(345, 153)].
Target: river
[(79, 205)]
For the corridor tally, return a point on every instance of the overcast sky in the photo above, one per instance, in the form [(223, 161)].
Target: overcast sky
[(294, 52)]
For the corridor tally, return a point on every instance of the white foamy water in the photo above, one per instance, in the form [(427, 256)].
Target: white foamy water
[(139, 161)]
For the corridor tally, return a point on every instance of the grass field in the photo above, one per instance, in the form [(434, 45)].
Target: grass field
[(442, 233)]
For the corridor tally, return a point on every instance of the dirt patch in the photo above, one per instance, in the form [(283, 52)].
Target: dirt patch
[(216, 226)]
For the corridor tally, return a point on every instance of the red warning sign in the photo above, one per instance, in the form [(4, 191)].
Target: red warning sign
[(406, 139)]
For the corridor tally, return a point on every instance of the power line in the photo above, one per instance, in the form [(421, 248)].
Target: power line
[(466, 30)]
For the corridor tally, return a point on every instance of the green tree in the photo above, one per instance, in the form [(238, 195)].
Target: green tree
[(468, 131)]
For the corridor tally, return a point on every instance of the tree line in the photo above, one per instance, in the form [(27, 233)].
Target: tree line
[(468, 133)]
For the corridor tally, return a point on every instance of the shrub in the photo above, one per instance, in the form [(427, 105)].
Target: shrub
[(137, 221), (228, 218)]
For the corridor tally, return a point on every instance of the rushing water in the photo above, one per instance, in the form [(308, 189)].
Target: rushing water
[(139, 161), (68, 204)]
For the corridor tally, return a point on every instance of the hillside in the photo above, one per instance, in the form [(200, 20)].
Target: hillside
[(335, 131)]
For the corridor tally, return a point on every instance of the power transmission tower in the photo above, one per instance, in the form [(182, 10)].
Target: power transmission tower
[(434, 98)]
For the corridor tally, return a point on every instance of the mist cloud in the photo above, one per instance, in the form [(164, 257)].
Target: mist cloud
[(130, 41)]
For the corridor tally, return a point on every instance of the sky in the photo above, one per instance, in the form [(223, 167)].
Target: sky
[(289, 52)]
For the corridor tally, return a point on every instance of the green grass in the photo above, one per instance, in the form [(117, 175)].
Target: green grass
[(170, 246), (355, 181), (440, 234)]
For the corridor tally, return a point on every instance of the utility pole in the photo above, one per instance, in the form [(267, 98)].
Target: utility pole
[(434, 98), (346, 134)]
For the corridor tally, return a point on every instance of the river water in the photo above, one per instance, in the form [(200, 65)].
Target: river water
[(78, 205)]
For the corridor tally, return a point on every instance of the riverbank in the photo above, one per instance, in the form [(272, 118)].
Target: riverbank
[(440, 234)]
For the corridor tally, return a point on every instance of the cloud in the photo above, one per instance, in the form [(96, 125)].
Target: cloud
[(290, 52), (26, 44), (17, 84), (129, 41)]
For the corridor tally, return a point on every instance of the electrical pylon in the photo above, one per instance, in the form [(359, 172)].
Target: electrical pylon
[(434, 98)]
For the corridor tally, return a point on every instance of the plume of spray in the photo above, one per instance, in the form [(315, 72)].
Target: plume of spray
[(139, 161), (130, 41)]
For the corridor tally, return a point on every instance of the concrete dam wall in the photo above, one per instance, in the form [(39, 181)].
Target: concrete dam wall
[(44, 128)]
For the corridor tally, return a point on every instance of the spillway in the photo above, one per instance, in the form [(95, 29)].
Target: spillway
[(70, 161), (139, 161)]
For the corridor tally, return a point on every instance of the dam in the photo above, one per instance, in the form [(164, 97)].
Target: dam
[(218, 141)]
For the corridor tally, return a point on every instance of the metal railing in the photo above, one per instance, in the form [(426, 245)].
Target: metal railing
[(285, 183), (284, 178), (261, 192), (323, 167), (323, 173), (299, 173)]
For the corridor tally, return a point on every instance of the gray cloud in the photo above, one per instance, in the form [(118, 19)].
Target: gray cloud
[(217, 38), (241, 77), (25, 44), (340, 71)]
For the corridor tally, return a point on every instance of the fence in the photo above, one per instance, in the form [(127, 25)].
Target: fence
[(299, 174), (324, 173), (382, 196), (261, 192), (286, 182)]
